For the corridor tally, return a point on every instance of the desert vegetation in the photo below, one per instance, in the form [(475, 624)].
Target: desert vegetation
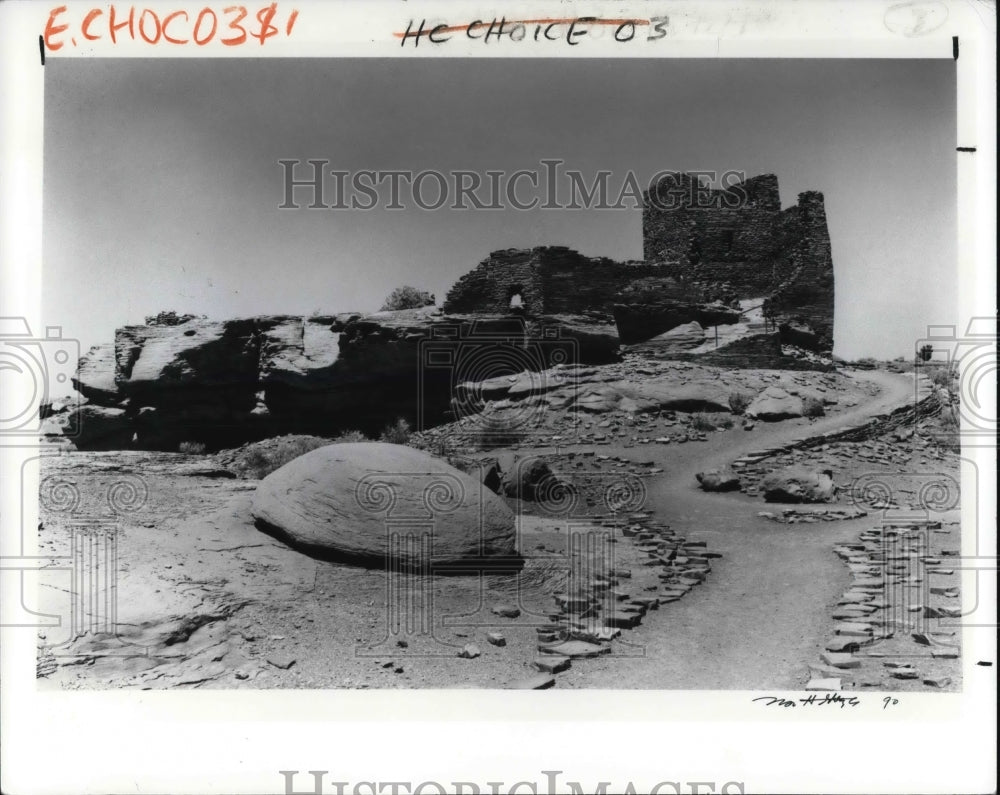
[(398, 432), (813, 407), (407, 297)]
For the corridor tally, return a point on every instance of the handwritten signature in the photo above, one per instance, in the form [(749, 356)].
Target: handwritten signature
[(820, 700), (811, 700)]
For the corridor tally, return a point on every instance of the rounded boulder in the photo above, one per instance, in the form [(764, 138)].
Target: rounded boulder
[(775, 404), (379, 504)]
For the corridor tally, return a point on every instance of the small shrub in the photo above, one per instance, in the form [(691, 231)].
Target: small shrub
[(703, 421), (700, 422), (813, 407), (943, 376), (350, 437), (170, 319), (260, 459), (738, 401), (191, 448), (397, 433), (407, 297)]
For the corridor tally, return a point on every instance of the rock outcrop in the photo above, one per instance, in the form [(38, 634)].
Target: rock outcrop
[(375, 504), (594, 391), (527, 478), (223, 383), (718, 480), (775, 404), (795, 485)]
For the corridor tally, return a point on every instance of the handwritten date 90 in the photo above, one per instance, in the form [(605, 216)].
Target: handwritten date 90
[(231, 25), (816, 700)]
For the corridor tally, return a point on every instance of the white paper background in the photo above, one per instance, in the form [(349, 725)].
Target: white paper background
[(208, 741)]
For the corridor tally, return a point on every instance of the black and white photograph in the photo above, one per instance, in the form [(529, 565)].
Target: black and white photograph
[(446, 369)]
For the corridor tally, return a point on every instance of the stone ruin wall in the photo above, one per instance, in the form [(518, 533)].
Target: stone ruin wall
[(551, 280), (737, 239), (756, 247), (488, 287), (808, 293)]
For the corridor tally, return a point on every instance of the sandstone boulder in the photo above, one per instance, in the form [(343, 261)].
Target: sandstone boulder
[(695, 395), (527, 478), (794, 485), (344, 501), (718, 480), (774, 404)]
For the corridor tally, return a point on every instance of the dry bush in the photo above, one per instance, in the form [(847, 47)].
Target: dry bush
[(944, 376), (407, 297), (397, 433), (709, 421), (350, 437), (738, 401), (813, 407), (259, 459)]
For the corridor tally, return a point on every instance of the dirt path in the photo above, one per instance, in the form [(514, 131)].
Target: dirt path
[(763, 614)]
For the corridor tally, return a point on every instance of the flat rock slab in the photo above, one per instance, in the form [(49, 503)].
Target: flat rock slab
[(575, 648), (552, 664), (937, 681), (840, 660), (621, 619), (824, 684), (842, 644), (853, 630), (847, 615)]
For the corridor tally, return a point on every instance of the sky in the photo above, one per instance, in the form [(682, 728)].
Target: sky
[(162, 181)]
